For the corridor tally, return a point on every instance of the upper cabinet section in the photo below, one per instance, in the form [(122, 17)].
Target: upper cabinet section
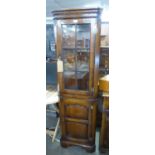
[(77, 47)]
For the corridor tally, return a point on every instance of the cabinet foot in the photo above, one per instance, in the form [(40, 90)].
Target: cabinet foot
[(103, 150), (89, 148), (65, 145)]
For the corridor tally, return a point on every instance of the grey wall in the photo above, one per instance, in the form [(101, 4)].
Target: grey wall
[(51, 68), (51, 73)]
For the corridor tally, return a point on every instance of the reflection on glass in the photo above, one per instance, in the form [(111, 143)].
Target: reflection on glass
[(83, 36), (68, 40), (82, 80), (69, 60), (76, 80), (82, 61), (70, 80), (75, 53)]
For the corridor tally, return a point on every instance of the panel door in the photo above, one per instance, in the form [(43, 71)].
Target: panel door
[(77, 119)]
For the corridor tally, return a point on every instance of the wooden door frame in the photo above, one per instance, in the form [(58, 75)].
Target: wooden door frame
[(92, 52)]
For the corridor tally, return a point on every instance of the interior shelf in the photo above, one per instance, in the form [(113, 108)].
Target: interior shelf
[(75, 48), (104, 46)]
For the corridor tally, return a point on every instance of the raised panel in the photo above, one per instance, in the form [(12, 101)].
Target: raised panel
[(77, 130), (76, 111)]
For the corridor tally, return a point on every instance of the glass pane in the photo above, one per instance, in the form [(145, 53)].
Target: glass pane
[(68, 40), (69, 60), (82, 80), (70, 81), (82, 60), (83, 36), (76, 56)]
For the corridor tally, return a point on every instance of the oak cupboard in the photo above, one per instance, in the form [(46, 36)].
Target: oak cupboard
[(77, 34)]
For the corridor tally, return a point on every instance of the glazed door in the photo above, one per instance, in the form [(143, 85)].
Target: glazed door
[(76, 51)]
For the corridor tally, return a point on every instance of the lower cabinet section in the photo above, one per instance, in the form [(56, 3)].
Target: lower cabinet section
[(78, 122)]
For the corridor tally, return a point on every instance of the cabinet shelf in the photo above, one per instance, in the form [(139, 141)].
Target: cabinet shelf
[(103, 69), (70, 73), (75, 48), (104, 54), (104, 46)]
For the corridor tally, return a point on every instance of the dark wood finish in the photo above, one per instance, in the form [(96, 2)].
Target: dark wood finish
[(104, 84), (76, 13), (104, 133), (78, 94)]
